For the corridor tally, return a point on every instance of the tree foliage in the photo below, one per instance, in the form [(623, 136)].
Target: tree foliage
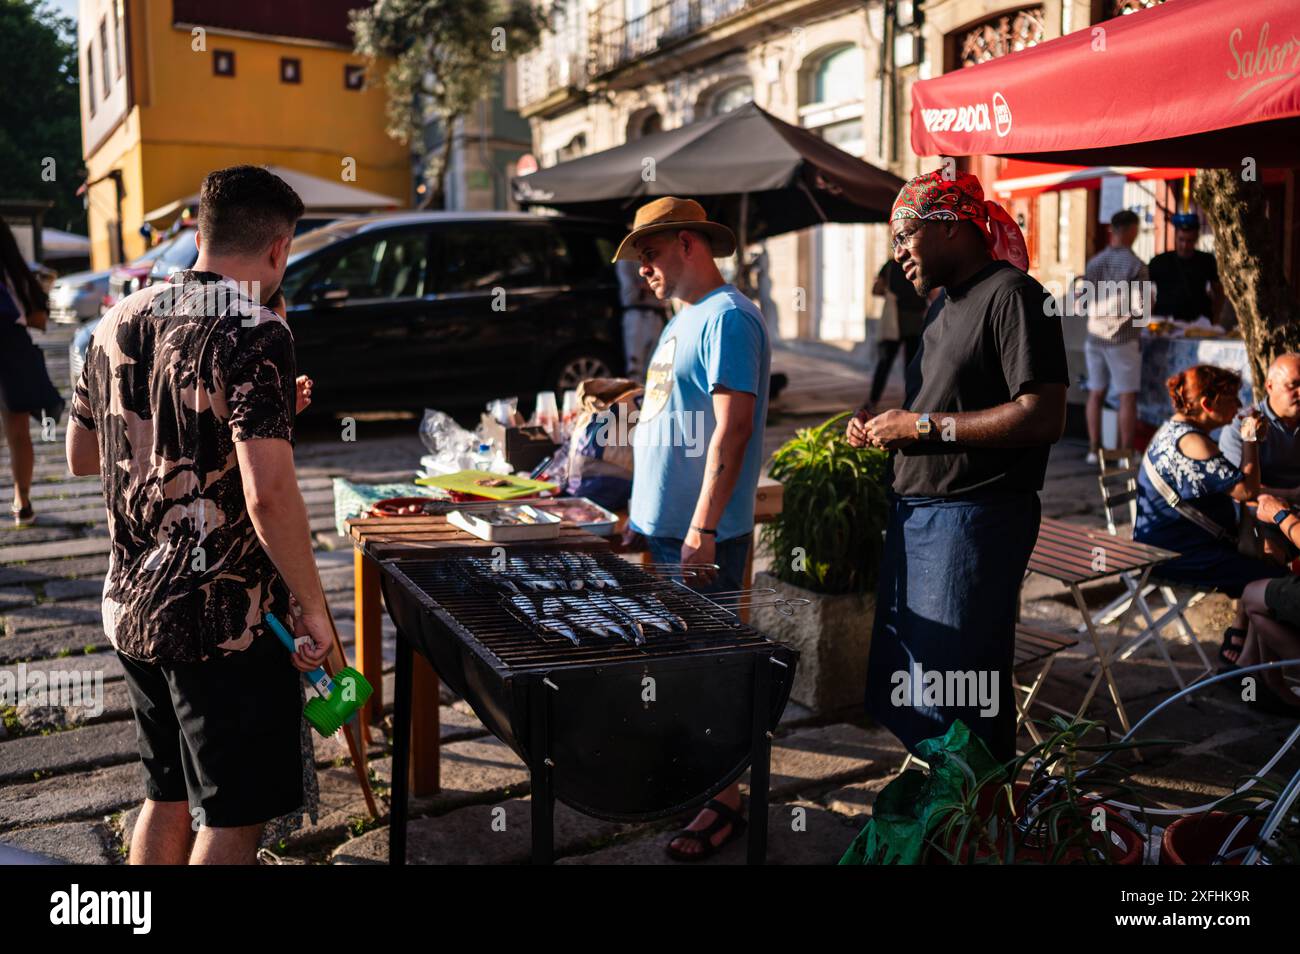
[(1250, 266), (444, 57), (40, 115)]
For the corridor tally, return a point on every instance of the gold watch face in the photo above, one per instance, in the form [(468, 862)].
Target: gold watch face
[(923, 426)]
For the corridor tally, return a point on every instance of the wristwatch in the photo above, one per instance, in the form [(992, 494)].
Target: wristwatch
[(923, 426), (1279, 518)]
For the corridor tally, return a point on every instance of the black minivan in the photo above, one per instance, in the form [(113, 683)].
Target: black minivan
[(451, 309)]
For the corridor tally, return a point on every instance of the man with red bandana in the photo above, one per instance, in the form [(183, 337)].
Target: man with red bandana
[(985, 402)]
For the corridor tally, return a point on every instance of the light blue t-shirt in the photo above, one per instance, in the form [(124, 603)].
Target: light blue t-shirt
[(719, 340)]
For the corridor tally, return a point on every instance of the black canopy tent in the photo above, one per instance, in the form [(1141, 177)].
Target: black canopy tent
[(749, 170)]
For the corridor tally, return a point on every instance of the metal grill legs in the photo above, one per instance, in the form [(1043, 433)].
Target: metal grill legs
[(401, 752), (760, 761), (540, 767)]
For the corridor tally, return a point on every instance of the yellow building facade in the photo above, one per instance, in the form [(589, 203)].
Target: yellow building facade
[(165, 100)]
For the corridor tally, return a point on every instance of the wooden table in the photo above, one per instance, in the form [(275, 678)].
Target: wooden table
[(387, 538), (1074, 555)]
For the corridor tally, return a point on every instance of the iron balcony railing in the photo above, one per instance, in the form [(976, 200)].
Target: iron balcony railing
[(620, 32)]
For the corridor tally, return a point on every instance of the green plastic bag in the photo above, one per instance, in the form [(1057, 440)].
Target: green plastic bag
[(910, 807)]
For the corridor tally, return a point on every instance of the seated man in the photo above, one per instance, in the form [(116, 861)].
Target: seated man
[(1279, 432), (1273, 607)]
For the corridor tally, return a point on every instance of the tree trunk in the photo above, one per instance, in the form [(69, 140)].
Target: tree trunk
[(1250, 267)]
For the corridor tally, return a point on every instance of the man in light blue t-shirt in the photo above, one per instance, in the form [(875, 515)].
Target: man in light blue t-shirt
[(699, 437)]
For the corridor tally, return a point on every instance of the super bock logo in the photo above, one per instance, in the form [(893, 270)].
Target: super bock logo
[(1001, 114)]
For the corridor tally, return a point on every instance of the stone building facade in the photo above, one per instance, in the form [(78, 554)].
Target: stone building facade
[(613, 70)]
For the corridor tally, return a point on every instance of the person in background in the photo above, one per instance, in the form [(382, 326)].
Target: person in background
[(26, 391), (1186, 280), (694, 502), (643, 319), (985, 402), (185, 410), (302, 384), (1111, 347), (901, 322), (1188, 462)]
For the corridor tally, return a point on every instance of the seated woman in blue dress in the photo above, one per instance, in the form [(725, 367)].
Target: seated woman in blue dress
[(1188, 460)]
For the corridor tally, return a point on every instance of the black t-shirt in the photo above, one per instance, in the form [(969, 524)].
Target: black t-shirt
[(904, 292), (993, 335), (1181, 285)]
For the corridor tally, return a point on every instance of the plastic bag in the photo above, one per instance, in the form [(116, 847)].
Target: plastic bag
[(910, 807)]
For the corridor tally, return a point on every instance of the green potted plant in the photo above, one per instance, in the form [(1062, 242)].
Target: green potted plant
[(826, 545), (1050, 805)]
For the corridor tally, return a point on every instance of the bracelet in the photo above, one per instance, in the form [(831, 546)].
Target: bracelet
[(706, 532)]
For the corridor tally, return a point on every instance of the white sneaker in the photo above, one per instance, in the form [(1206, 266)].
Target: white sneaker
[(1092, 457)]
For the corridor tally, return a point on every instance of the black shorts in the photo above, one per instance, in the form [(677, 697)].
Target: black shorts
[(1282, 597), (222, 734)]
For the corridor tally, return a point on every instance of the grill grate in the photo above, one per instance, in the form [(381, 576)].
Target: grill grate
[(476, 597)]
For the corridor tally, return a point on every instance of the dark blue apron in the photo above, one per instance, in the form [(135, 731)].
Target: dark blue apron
[(944, 637)]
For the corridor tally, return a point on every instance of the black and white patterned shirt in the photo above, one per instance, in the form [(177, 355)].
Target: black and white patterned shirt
[(176, 375), (1114, 276)]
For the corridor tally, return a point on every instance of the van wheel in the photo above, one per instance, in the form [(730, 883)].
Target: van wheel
[(570, 371)]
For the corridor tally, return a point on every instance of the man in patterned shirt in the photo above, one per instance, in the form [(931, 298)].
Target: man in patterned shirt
[(185, 408), (1114, 276)]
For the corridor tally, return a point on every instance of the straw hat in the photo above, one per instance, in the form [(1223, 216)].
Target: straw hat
[(671, 214)]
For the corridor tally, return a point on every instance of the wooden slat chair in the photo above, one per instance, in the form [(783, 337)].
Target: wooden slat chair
[(1036, 650), (1118, 482)]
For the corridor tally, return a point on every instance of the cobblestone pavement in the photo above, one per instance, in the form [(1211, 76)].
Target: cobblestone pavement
[(69, 782)]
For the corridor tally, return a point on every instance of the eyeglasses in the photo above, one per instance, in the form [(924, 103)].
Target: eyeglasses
[(907, 238)]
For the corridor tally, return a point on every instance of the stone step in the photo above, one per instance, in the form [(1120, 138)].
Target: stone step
[(797, 834), (30, 619), (56, 549), (78, 795), (809, 760), (109, 743), (37, 571), (52, 644), (73, 843), (478, 835)]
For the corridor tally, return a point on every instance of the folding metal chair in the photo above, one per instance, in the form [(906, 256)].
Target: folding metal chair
[(1118, 482)]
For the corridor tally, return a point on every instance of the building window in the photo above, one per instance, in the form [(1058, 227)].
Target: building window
[(223, 62), (840, 77), (290, 69), (1000, 35), (354, 77), (103, 56), (119, 37), (733, 97), (574, 148), (90, 76)]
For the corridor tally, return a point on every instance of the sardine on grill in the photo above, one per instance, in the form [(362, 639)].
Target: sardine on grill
[(654, 605), (641, 614)]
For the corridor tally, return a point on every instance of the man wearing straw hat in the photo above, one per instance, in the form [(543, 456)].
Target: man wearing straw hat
[(971, 445), (699, 437)]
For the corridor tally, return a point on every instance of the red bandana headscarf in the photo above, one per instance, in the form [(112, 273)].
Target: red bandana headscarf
[(931, 196)]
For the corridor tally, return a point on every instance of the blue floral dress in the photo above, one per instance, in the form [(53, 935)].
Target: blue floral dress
[(1203, 484)]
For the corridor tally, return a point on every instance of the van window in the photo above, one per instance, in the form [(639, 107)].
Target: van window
[(391, 265), (480, 259), (581, 256)]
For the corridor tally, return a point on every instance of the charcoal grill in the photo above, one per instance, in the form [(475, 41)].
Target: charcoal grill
[(580, 716)]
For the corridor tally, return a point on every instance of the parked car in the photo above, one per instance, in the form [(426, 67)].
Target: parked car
[(450, 309), (183, 254), (125, 279), (76, 298)]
